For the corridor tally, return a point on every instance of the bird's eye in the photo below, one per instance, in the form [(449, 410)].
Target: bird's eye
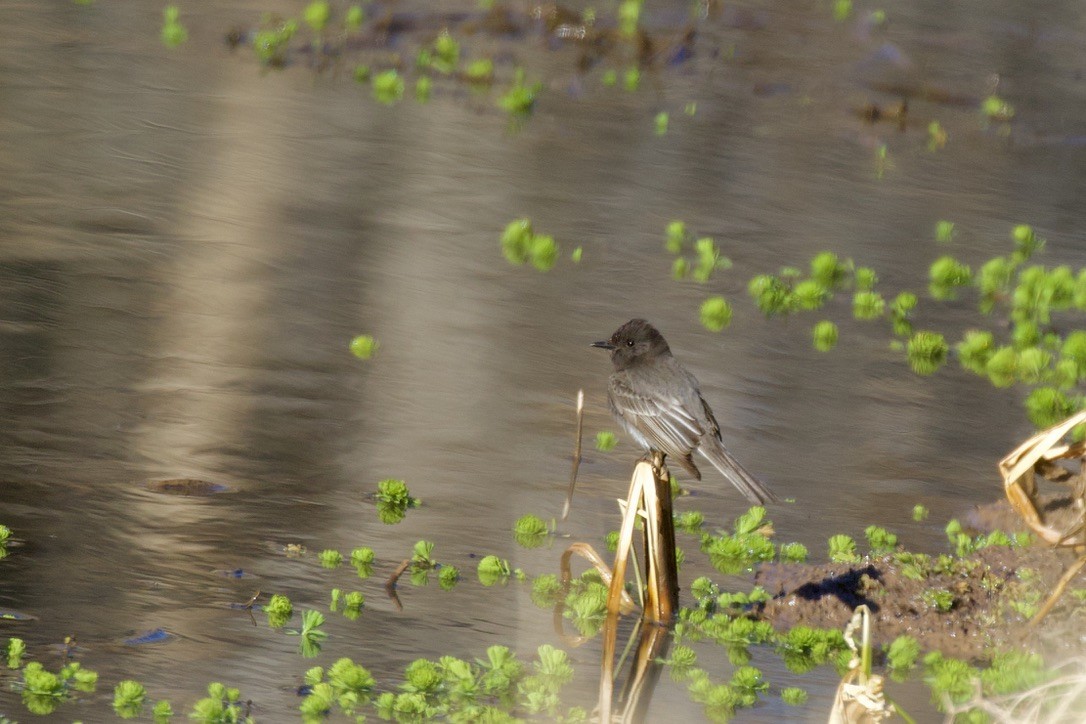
[(629, 343)]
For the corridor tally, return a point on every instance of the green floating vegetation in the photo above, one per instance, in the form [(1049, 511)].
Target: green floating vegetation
[(793, 696), (311, 637), (394, 500), (824, 335), (661, 123), (520, 99), (920, 513), (128, 699), (270, 42), (793, 553), (279, 610), (521, 244), (345, 686), (317, 14), (423, 88), (716, 314), (946, 276), (173, 32), (330, 558), (44, 691), (354, 18), (880, 540), (364, 346), (530, 531), (927, 352), (995, 108), (843, 549), (493, 570), (362, 559), (944, 231), (388, 86), (741, 550), (606, 441), (631, 79), (222, 705)]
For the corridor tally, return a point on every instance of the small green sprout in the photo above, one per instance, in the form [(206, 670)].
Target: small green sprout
[(940, 599), (793, 696), (388, 86), (842, 10), (690, 521), (311, 636), (995, 108), (868, 305), (354, 18), (575, 257), (162, 712), (843, 549), (330, 558), (631, 79), (661, 122), (279, 610), (946, 275), (975, 350), (423, 88), (865, 278), (128, 699), (691, 108), (16, 650), (270, 44), (546, 590), (520, 99), (902, 654), (316, 15), (393, 501), (448, 577), (480, 71), (793, 552), (1026, 242), (609, 78), (944, 231), (362, 73), (880, 540), (221, 706), (530, 531), (173, 32), (364, 346), (606, 441), (824, 335), (446, 53), (926, 352), (920, 513), (493, 569), (937, 136), (828, 270), (716, 314)]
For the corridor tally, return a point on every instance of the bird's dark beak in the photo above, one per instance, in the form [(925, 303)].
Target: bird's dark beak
[(603, 345)]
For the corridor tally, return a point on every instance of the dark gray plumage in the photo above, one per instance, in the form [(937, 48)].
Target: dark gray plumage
[(657, 402)]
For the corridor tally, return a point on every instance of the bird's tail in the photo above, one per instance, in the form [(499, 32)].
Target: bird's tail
[(754, 490)]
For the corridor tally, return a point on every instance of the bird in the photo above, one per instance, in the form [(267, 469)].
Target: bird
[(658, 402)]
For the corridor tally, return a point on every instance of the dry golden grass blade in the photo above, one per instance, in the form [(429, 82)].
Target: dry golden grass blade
[(1020, 479), (1065, 579), (860, 698), (576, 455)]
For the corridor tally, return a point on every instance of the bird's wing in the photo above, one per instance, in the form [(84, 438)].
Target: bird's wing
[(665, 423)]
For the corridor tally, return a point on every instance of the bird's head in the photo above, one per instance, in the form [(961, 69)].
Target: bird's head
[(634, 342)]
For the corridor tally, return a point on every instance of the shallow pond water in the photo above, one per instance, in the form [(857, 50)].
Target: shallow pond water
[(189, 242)]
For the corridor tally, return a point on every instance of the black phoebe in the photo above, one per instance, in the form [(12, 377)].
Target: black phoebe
[(657, 401)]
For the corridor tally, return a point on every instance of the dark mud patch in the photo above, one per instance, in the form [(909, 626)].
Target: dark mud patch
[(966, 607)]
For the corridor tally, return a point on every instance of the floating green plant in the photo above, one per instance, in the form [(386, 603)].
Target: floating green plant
[(868, 305), (354, 18), (793, 553), (946, 275), (445, 53), (311, 637), (15, 651), (793, 696), (880, 540), (937, 136), (575, 256), (530, 531), (629, 15), (920, 513), (824, 335), (388, 86), (631, 79), (362, 559), (173, 32), (675, 237), (493, 569), (661, 123), (995, 108), (741, 550), (331, 558), (803, 648), (270, 42), (716, 314), (926, 352), (364, 346), (521, 244), (479, 71), (520, 98), (843, 549), (393, 501), (279, 610), (606, 441), (423, 88), (346, 686), (222, 705), (128, 699), (944, 231), (448, 577), (317, 14)]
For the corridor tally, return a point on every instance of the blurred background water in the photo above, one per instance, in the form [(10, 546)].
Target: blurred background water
[(188, 242)]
